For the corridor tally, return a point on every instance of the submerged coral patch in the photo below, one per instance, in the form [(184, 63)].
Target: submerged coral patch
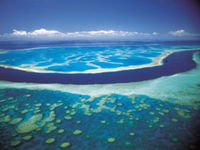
[(77, 132), (61, 131), (65, 144), (15, 143), (50, 140), (27, 137), (111, 139), (30, 124), (16, 120)]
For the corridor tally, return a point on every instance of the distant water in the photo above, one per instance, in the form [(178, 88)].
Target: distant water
[(159, 114)]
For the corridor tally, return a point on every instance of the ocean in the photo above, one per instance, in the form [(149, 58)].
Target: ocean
[(93, 97)]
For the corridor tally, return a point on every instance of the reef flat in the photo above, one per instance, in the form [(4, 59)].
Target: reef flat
[(174, 63), (155, 62)]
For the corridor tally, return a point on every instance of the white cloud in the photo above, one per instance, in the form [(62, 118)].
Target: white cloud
[(99, 34), (35, 33), (19, 33), (182, 32), (45, 34), (155, 33)]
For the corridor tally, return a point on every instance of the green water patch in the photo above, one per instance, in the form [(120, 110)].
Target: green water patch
[(61, 120)]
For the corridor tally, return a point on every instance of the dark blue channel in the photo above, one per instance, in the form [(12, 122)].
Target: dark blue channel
[(175, 63)]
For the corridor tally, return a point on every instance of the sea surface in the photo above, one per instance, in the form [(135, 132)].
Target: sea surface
[(155, 114)]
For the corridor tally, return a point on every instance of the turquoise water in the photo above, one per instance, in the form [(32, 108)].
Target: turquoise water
[(75, 66), (83, 58), (159, 114)]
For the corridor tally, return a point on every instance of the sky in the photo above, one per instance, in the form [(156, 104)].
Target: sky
[(99, 19)]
